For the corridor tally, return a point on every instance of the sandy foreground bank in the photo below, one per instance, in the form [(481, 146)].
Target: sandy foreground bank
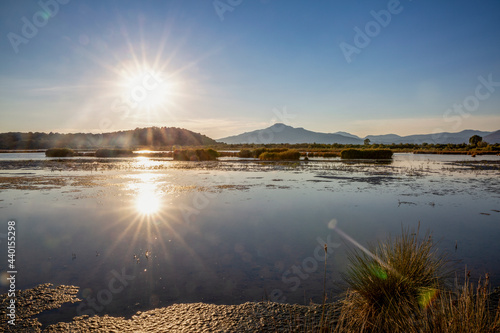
[(194, 317)]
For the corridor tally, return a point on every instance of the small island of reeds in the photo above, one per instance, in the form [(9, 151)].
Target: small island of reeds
[(114, 153), (270, 154), (59, 152), (195, 155)]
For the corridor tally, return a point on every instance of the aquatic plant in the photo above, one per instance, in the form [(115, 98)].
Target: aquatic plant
[(366, 154), (114, 153), (245, 153), (59, 152), (195, 155), (389, 286), (469, 308), (284, 155)]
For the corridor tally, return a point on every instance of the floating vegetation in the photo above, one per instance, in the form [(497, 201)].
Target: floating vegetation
[(59, 152)]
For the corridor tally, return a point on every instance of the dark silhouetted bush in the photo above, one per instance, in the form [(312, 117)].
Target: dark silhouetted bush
[(366, 154), (114, 153), (245, 153), (195, 155), (59, 152)]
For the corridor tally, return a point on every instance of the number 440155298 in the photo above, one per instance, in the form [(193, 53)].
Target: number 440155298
[(11, 244)]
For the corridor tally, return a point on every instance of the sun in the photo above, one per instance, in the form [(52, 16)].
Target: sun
[(145, 89)]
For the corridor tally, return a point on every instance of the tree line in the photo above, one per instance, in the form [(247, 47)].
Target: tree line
[(146, 137)]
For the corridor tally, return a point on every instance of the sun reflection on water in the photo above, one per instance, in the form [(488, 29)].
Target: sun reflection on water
[(147, 195), (147, 201)]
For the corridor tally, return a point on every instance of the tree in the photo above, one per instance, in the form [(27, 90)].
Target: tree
[(367, 142), (475, 140)]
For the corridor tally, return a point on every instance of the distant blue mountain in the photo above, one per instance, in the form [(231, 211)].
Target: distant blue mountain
[(492, 137), (281, 133), (442, 138)]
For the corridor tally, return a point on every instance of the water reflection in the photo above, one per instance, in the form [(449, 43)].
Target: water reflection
[(147, 195), (147, 201), (188, 235)]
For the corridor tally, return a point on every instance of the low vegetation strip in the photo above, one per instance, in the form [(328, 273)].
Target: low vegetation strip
[(366, 154), (59, 152), (195, 155), (285, 155), (270, 153), (114, 153)]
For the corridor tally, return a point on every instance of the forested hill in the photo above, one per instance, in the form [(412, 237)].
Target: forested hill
[(150, 137)]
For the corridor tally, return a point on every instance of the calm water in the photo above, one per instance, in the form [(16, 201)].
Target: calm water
[(138, 233)]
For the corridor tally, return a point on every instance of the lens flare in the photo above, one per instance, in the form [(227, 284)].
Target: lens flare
[(427, 296)]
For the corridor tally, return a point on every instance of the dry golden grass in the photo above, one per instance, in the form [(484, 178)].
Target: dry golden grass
[(402, 286)]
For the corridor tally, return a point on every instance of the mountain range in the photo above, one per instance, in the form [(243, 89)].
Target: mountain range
[(281, 133)]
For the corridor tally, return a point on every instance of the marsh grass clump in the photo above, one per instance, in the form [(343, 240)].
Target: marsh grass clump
[(245, 153), (469, 308), (114, 153), (390, 285), (195, 155), (59, 152), (284, 155), (366, 154), (257, 152)]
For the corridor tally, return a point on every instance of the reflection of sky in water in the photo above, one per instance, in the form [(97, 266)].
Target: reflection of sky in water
[(230, 236)]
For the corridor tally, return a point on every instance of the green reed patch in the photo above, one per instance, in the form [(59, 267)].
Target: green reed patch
[(59, 152), (195, 155), (277, 156), (114, 153)]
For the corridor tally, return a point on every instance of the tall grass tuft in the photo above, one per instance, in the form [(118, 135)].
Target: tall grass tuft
[(469, 309), (390, 285)]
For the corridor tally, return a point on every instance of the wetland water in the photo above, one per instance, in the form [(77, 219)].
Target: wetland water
[(138, 233)]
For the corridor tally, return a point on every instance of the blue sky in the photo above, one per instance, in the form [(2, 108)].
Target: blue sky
[(229, 66)]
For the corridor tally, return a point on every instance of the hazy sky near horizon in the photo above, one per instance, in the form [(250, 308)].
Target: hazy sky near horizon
[(230, 66)]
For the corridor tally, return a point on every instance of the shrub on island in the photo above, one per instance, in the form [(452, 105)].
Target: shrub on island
[(247, 153), (195, 155), (59, 152), (284, 155), (366, 154), (114, 153)]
